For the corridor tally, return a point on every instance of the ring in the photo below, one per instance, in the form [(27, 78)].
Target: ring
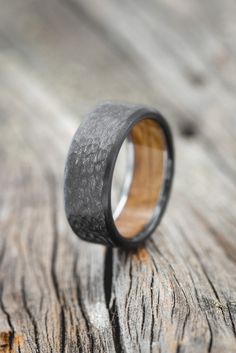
[(90, 167)]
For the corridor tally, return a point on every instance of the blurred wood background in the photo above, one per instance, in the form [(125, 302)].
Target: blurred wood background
[(58, 58)]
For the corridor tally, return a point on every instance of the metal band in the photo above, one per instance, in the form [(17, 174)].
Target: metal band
[(89, 170)]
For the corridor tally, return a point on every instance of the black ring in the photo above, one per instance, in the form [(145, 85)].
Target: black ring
[(89, 171)]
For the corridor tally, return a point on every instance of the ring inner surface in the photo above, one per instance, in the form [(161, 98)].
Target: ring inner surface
[(148, 178)]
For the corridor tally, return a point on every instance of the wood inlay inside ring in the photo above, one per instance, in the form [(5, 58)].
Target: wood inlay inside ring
[(149, 169)]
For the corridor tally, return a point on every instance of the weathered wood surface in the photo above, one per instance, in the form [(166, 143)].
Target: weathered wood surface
[(59, 294)]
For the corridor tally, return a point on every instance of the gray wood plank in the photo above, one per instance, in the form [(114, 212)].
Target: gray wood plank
[(58, 294)]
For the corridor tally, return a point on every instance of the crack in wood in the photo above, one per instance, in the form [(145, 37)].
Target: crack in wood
[(108, 275), (30, 315), (82, 306), (114, 319), (11, 334)]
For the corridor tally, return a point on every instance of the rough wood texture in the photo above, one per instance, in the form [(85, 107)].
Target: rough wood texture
[(59, 294)]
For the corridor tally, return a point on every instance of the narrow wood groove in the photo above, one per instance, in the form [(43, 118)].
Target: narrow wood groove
[(108, 273), (187, 316), (8, 317), (63, 329), (114, 319), (152, 317), (78, 342), (82, 306), (204, 272), (173, 306), (30, 315), (178, 349), (209, 349), (53, 203), (47, 333), (3, 251), (52, 182), (188, 129), (143, 315), (231, 319), (159, 331), (128, 296), (187, 305)]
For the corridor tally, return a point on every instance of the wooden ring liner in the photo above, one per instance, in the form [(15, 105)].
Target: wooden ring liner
[(148, 176)]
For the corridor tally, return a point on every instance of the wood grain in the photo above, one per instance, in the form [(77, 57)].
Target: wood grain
[(147, 180), (59, 294)]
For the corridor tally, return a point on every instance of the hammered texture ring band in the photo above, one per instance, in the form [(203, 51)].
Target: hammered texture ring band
[(89, 172)]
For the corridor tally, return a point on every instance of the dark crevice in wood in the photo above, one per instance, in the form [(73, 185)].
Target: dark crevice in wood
[(195, 290), (196, 78), (187, 316), (114, 319), (187, 304), (143, 315), (112, 308), (63, 329), (47, 334), (231, 319), (152, 305), (80, 301), (4, 346), (128, 297), (53, 201), (41, 303), (2, 251), (154, 263), (12, 332), (159, 331), (178, 349), (204, 271), (173, 306), (79, 344), (209, 348), (196, 293), (188, 129), (30, 315), (108, 268)]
